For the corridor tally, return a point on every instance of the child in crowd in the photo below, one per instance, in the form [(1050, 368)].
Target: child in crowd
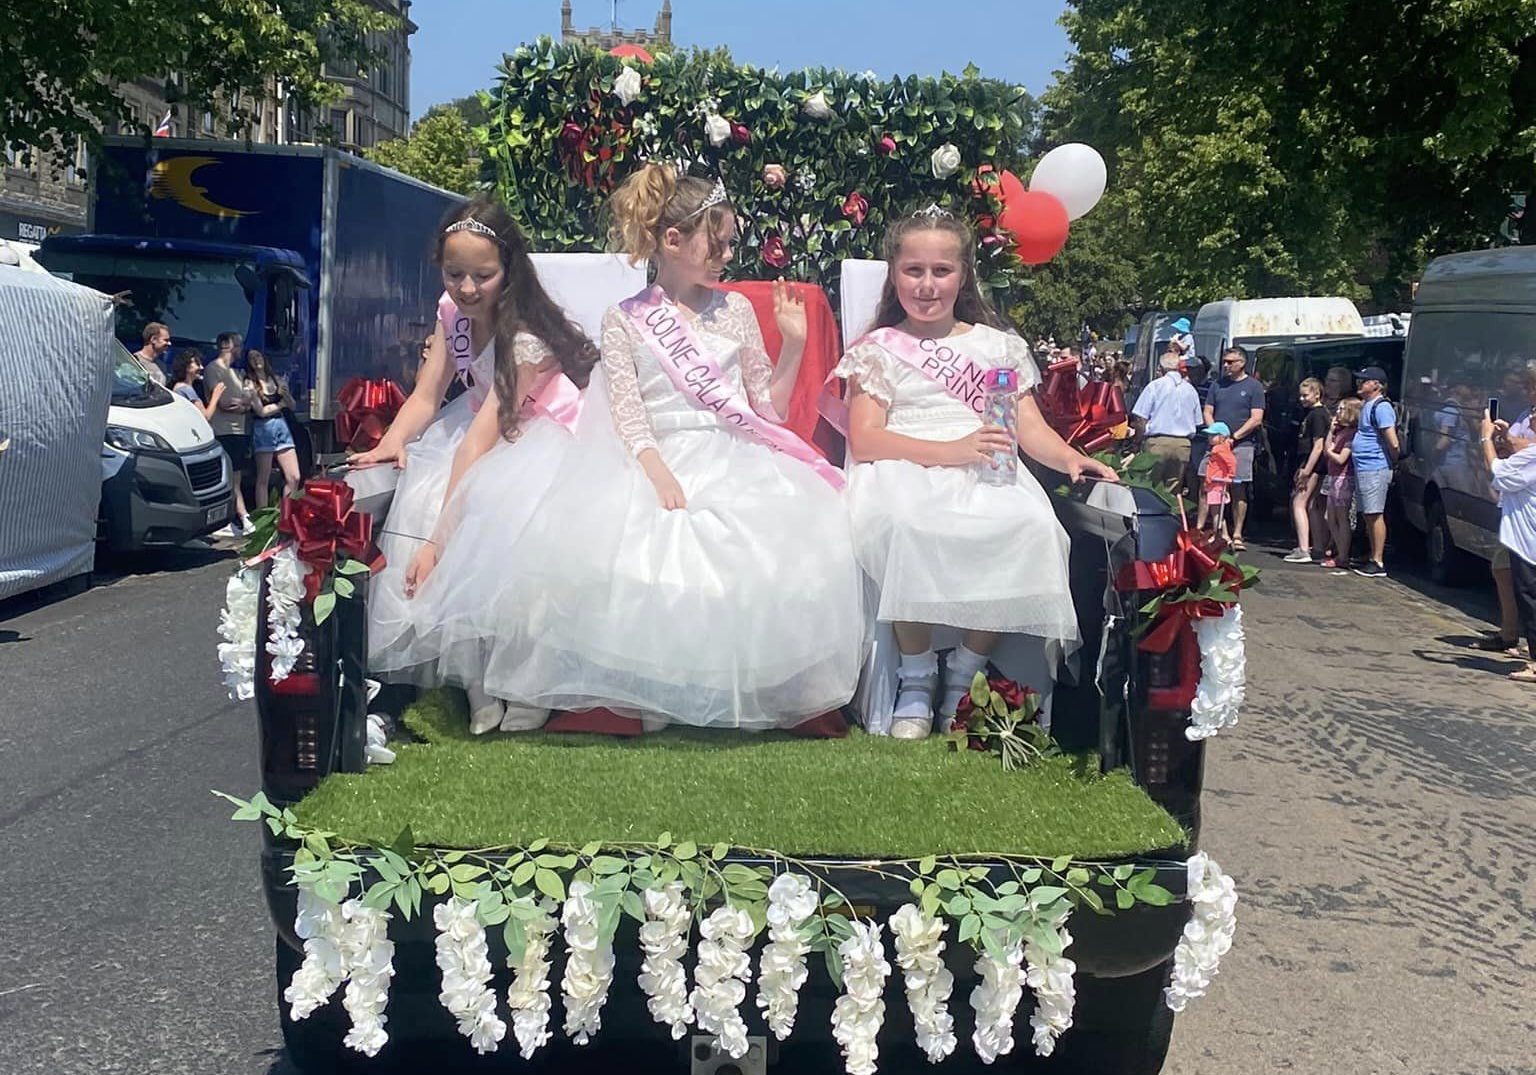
[(1220, 469), (1340, 485), (693, 562), (510, 341), (959, 563)]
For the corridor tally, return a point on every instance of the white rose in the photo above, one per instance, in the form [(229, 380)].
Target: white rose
[(717, 128), (816, 106), (946, 161), (627, 86)]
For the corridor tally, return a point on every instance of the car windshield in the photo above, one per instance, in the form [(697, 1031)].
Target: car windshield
[(197, 297)]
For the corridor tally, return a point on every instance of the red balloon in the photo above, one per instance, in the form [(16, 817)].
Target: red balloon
[(1037, 220)]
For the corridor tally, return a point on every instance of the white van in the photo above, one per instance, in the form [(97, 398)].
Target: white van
[(1472, 338), (1252, 323), (164, 479)]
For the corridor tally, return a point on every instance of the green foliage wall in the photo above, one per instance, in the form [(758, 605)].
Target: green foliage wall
[(560, 139)]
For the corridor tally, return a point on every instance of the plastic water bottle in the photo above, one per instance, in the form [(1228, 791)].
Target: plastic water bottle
[(1001, 395)]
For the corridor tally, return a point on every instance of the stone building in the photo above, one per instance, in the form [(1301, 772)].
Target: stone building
[(598, 37), (40, 197)]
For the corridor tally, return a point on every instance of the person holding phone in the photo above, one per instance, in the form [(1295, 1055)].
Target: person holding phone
[(1511, 460), (1375, 450)]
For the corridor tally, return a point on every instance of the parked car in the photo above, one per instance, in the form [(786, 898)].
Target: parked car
[(1471, 339)]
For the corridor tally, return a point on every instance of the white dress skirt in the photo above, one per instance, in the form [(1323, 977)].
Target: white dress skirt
[(405, 634), (942, 547), (742, 610)]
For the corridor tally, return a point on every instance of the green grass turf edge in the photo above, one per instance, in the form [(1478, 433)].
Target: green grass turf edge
[(864, 796)]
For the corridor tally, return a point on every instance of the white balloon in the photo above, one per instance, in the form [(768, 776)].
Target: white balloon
[(1074, 174)]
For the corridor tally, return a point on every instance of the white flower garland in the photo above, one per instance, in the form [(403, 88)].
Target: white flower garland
[(1207, 934), (528, 996), (285, 590), (782, 971), (860, 1011), (461, 954), (1223, 673), (720, 982), (588, 965), (919, 940), (1050, 976), (237, 626), (995, 1000), (664, 942), (369, 956), (319, 925)]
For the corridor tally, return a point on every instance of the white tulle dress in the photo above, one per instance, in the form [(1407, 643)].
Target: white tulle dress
[(741, 610), (942, 547), (407, 636)]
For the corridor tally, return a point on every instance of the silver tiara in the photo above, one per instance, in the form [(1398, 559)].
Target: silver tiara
[(934, 211), (469, 223), (718, 196)]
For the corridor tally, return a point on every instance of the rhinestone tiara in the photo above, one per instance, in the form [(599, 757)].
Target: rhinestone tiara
[(718, 196), (934, 211), (471, 224)]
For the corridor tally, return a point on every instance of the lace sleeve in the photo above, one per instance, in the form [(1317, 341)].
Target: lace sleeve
[(865, 363), (629, 415), (756, 366), (529, 350)]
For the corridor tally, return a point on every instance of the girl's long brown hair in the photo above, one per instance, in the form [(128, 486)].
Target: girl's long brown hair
[(523, 306), (970, 306)]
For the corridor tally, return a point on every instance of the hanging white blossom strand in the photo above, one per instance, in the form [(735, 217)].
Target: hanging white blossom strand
[(860, 1011), (664, 942), (1207, 934), (1050, 977), (1223, 674), (995, 1001), (528, 997), (319, 925), (237, 626), (791, 902), (720, 982), (285, 589), (588, 965), (369, 957), (461, 954), (919, 941)]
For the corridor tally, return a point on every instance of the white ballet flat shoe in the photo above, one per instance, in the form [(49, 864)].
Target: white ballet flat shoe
[(911, 727), (485, 712), (913, 714), (523, 718)]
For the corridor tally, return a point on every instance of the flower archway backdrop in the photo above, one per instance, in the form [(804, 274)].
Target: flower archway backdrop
[(817, 161)]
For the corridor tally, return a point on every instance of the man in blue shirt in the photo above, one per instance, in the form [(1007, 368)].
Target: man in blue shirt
[(1374, 452), (1238, 400), (1167, 413)]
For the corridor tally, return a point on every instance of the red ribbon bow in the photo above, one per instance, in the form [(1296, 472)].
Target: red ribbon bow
[(367, 409), (1084, 416), (323, 526)]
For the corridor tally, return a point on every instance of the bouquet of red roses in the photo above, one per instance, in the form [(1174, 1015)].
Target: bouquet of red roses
[(999, 715)]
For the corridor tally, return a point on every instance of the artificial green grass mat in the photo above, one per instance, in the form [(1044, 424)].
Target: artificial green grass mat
[(864, 796)]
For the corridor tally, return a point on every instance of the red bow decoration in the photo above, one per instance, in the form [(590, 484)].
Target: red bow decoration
[(1083, 416), (323, 526), (367, 409)]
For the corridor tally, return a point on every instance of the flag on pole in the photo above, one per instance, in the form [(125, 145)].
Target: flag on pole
[(164, 130)]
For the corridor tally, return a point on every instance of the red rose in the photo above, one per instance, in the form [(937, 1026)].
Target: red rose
[(1012, 693), (886, 146), (774, 253), (985, 222), (855, 207), (985, 182), (740, 135), (570, 134)]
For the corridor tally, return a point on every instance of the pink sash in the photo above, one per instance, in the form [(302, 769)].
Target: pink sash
[(941, 361), (456, 333), (555, 397), (702, 382)]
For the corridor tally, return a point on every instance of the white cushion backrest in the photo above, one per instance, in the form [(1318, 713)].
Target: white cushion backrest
[(863, 281), (585, 285)]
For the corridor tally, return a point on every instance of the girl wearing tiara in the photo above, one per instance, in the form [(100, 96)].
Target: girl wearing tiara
[(693, 562), (958, 562), (505, 435)]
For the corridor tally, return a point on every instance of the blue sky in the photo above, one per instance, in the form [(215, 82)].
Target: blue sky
[(460, 41)]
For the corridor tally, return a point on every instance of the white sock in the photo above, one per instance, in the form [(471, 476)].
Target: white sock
[(959, 671), (915, 701)]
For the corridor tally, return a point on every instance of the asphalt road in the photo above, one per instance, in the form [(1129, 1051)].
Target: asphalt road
[(1376, 806)]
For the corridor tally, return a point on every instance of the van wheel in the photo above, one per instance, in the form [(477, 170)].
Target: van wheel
[(1447, 563)]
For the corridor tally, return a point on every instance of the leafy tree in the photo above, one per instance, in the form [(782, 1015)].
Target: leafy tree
[(64, 62), (441, 149), (1260, 150)]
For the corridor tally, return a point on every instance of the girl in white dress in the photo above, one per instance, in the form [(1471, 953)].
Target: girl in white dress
[(958, 562), (521, 343), (693, 562)]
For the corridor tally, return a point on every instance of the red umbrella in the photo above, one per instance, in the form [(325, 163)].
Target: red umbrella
[(624, 51)]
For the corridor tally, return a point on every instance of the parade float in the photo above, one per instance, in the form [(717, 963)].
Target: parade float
[(763, 901)]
